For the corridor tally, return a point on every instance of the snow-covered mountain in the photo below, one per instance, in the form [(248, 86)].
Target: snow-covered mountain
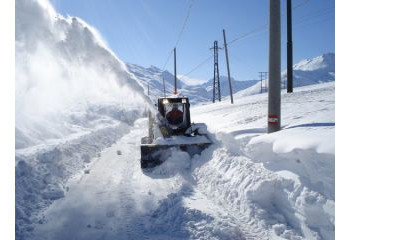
[(313, 70), (197, 93), (309, 71), (306, 72)]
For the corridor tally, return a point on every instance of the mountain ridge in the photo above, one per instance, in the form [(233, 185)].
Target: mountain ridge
[(308, 71)]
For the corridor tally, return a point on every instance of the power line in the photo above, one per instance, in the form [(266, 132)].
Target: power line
[(301, 4), (169, 56), (185, 22), (303, 18), (255, 31), (199, 65), (179, 36), (248, 34), (258, 30), (314, 23), (180, 33), (315, 14), (239, 61)]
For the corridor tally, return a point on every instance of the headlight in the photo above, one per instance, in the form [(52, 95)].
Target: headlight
[(165, 101)]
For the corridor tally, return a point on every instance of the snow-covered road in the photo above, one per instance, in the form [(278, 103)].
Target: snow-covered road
[(116, 200), (105, 203)]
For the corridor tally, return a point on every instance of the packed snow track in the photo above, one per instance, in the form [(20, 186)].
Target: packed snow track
[(114, 199)]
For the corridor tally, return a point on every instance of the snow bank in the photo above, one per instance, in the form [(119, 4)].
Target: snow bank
[(320, 140), (279, 185), (264, 204), (41, 173)]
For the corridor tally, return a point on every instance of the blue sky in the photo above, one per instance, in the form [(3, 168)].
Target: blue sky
[(145, 31)]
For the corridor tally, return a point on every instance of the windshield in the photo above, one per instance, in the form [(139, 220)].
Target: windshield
[(174, 113)]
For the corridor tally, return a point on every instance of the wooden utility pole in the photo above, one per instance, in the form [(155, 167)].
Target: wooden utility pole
[(163, 83), (227, 65), (289, 46), (175, 71)]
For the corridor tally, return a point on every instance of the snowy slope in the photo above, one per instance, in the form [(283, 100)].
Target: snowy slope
[(309, 71), (320, 69)]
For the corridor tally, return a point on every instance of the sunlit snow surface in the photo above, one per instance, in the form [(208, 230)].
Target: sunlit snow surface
[(248, 185), (78, 129)]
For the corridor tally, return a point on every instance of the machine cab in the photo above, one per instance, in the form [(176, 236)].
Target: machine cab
[(175, 110)]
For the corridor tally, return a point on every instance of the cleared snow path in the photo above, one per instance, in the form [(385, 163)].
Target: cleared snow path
[(102, 204)]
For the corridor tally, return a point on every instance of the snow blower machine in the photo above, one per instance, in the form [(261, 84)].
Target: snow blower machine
[(171, 128)]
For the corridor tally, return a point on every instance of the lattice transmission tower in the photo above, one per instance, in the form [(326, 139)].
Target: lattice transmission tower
[(217, 84)]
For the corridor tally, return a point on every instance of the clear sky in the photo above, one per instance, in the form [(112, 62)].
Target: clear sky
[(145, 31)]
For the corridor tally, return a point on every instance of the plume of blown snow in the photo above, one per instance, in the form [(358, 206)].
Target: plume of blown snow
[(63, 65)]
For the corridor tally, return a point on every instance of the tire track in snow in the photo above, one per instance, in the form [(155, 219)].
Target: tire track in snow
[(88, 211), (127, 201)]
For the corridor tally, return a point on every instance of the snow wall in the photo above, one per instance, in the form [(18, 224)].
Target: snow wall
[(73, 98)]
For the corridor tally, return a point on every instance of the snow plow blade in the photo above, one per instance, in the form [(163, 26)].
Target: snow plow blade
[(155, 154), (171, 130)]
